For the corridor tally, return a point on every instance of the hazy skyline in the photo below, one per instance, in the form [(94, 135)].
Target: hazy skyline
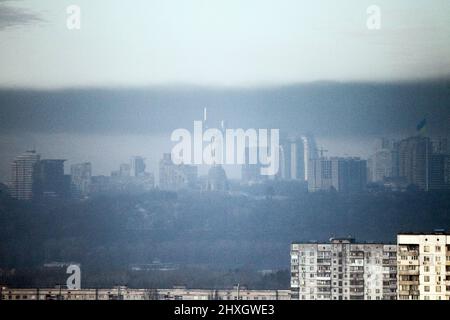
[(108, 126), (224, 43)]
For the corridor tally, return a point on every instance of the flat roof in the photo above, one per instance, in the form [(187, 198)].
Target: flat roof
[(432, 233)]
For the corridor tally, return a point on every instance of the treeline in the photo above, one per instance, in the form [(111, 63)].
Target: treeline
[(203, 229)]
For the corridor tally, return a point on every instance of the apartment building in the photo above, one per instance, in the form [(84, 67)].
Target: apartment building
[(343, 270), (423, 266)]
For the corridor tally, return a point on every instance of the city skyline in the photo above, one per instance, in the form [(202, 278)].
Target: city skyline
[(417, 160)]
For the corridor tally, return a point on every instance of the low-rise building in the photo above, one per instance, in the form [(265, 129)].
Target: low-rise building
[(124, 293)]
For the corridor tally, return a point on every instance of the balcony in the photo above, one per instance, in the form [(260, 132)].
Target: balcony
[(408, 272), (324, 262), (408, 293), (409, 282)]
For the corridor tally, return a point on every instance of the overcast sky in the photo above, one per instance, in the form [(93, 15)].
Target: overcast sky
[(232, 42)]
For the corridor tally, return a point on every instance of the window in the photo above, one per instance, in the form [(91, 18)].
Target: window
[(438, 248), (426, 248), (427, 288), (426, 279)]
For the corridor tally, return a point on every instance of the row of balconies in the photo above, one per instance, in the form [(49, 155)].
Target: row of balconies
[(408, 272), (409, 283)]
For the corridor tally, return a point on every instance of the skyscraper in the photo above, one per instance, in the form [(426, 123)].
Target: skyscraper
[(383, 163), (440, 145), (137, 166), (310, 148), (49, 179), (351, 174), (414, 157), (380, 166), (439, 172), (341, 174), (293, 159), (81, 179), (320, 174), (21, 184)]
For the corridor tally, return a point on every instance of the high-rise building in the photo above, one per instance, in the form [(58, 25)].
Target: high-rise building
[(21, 184), (175, 177), (414, 161), (440, 145), (125, 170), (320, 174), (343, 270), (49, 179), (423, 262), (383, 144), (439, 172), (81, 179), (382, 165), (341, 174), (310, 148), (292, 159), (137, 167)]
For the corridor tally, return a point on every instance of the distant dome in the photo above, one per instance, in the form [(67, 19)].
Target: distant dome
[(217, 179)]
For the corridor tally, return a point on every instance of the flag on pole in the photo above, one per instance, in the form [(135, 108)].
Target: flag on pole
[(422, 126)]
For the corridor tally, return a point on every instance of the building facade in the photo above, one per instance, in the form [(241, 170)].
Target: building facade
[(340, 174), (49, 180), (381, 166), (292, 159), (414, 161), (21, 184), (137, 166), (343, 270), (423, 266), (80, 175), (175, 177)]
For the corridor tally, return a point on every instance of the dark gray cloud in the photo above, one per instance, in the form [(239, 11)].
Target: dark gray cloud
[(11, 16), (326, 109)]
